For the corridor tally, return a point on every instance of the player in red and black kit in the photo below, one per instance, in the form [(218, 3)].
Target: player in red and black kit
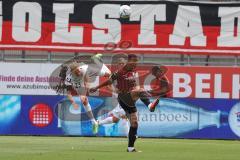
[(128, 93)]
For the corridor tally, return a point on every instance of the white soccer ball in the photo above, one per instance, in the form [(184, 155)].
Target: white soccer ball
[(125, 11)]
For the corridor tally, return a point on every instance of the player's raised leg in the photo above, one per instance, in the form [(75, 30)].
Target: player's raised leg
[(108, 120), (144, 97)]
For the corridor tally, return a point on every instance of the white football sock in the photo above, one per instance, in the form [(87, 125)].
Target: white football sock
[(107, 120), (88, 109)]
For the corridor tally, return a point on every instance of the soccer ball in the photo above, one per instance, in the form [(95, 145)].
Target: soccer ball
[(125, 11)]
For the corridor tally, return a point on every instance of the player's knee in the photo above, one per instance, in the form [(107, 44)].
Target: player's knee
[(134, 124), (84, 100)]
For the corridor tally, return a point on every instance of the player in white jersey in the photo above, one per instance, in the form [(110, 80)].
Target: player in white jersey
[(77, 82)]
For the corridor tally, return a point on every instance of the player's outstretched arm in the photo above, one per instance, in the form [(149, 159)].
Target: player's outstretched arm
[(94, 89), (112, 78)]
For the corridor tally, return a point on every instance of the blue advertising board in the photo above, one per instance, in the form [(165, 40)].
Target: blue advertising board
[(175, 117)]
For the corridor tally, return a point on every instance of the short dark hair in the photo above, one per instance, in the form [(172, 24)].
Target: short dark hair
[(118, 56), (132, 56), (155, 69), (162, 69)]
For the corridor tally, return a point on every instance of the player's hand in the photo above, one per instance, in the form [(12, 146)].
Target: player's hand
[(75, 106), (92, 90)]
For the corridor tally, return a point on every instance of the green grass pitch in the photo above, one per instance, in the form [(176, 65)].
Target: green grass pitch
[(96, 148)]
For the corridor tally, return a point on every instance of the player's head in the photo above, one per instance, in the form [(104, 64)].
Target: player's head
[(74, 67), (158, 71), (132, 61), (119, 60)]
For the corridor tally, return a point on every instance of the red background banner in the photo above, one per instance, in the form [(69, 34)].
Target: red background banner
[(89, 26)]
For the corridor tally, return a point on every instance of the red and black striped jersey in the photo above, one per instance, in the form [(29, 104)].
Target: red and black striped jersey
[(126, 80)]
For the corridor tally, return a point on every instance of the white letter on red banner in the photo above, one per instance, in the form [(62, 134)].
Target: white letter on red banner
[(188, 24), (148, 15), (236, 86), (109, 29), (181, 82), (63, 32), (22, 30), (227, 36)]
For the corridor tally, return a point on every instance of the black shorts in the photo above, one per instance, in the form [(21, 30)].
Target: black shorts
[(127, 103)]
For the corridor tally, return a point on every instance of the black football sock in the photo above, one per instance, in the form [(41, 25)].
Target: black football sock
[(132, 136)]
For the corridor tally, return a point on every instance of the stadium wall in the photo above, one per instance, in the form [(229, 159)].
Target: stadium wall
[(204, 103)]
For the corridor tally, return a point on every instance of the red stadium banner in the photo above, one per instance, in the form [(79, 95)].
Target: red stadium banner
[(153, 26), (205, 82), (196, 82)]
